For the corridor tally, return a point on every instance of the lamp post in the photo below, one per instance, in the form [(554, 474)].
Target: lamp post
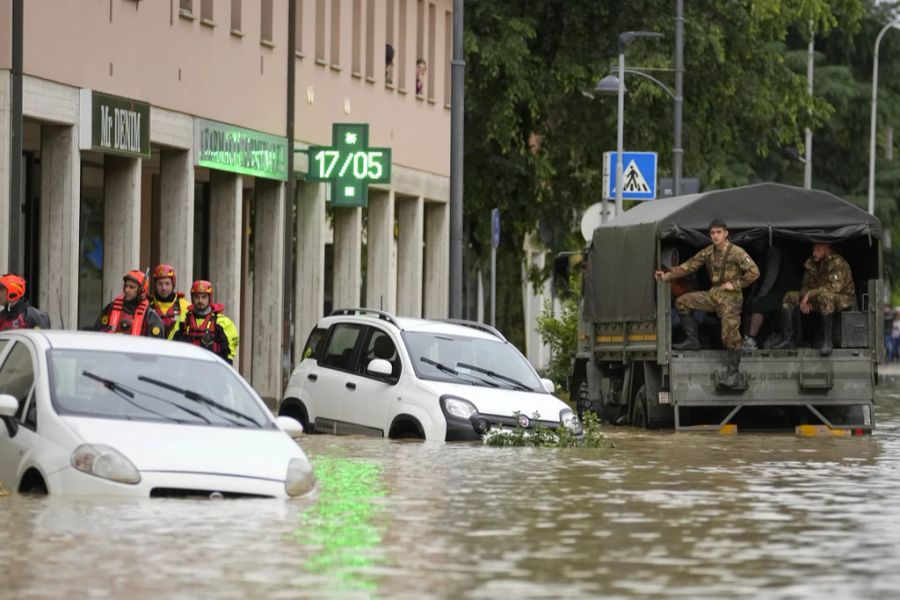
[(624, 40), (874, 120)]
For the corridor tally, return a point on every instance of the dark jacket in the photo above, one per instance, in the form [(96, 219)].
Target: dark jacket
[(152, 327), (21, 315)]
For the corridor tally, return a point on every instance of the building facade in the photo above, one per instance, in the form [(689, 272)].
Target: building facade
[(156, 131)]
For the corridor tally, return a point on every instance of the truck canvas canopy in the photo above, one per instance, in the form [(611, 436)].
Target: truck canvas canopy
[(624, 250)]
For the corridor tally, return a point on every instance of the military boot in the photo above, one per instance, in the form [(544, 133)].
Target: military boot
[(691, 334), (786, 319), (732, 374), (827, 324)]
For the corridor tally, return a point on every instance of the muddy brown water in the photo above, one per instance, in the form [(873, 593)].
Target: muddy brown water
[(660, 514)]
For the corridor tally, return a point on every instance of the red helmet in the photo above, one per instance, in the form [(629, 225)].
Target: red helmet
[(164, 270), (201, 286), (15, 286), (140, 278)]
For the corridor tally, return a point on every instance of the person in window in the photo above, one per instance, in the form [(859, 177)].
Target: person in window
[(780, 275), (388, 63), (166, 302), (827, 288), (421, 67), (206, 325), (131, 313), (17, 313)]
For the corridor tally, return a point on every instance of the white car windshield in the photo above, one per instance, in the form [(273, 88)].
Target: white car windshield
[(149, 387), (476, 361)]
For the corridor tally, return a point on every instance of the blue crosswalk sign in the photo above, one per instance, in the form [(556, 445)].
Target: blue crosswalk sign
[(639, 175)]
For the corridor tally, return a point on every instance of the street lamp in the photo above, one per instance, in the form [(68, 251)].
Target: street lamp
[(881, 33), (624, 40)]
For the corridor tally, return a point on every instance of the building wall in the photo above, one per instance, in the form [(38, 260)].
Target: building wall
[(149, 50), (6, 34)]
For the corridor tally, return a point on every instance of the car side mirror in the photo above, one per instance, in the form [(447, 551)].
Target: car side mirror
[(549, 386), (290, 425), (8, 405), (380, 367)]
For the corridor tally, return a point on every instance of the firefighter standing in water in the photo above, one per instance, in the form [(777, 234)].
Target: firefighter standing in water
[(166, 302), (17, 313), (130, 313), (206, 326)]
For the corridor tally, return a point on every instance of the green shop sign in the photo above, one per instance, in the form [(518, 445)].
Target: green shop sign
[(237, 150), (117, 125), (349, 164)]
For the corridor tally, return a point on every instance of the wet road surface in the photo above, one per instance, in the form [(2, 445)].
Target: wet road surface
[(681, 515)]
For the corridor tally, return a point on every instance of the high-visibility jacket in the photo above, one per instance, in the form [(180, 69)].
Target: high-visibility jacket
[(171, 311), (133, 318), (213, 331)]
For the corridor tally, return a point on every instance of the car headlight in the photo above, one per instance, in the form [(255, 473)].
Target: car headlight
[(458, 407), (300, 479), (570, 420), (106, 462)]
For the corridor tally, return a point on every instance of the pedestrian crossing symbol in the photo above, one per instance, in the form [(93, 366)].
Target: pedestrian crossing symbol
[(638, 176)]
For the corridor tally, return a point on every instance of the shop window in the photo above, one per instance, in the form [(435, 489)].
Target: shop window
[(265, 33), (90, 245), (201, 230)]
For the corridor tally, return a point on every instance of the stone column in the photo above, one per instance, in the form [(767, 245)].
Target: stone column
[(176, 220), (437, 260), (225, 243), (61, 193), (5, 131), (409, 257), (347, 257), (268, 252), (121, 221), (381, 268), (310, 280)]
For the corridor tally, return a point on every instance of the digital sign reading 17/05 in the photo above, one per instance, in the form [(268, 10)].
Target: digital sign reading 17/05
[(349, 165)]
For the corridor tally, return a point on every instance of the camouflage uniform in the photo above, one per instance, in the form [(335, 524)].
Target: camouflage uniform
[(832, 282), (730, 264)]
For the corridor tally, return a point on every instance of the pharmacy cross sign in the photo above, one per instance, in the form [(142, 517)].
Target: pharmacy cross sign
[(349, 165)]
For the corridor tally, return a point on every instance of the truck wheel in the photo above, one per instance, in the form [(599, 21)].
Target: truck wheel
[(639, 409)]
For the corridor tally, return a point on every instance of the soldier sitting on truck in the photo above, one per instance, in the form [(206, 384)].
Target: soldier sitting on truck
[(730, 269), (827, 288)]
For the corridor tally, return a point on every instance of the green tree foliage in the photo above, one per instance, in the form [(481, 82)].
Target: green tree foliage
[(534, 141)]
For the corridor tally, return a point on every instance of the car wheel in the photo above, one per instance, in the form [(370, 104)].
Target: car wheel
[(639, 409), (295, 409), (406, 428), (32, 483)]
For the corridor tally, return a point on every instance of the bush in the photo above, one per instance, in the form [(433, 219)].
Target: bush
[(543, 437), (561, 334)]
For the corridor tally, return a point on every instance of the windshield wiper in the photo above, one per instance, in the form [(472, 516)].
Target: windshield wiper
[(454, 372), (198, 397), (127, 394), (489, 373)]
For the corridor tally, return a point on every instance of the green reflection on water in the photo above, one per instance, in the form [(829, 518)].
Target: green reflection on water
[(342, 522)]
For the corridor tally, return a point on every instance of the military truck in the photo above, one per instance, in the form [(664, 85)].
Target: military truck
[(625, 368)]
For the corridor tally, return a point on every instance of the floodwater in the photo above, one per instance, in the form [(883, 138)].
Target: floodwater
[(660, 514)]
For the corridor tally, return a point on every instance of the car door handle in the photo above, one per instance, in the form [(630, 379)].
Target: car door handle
[(350, 385), (312, 376)]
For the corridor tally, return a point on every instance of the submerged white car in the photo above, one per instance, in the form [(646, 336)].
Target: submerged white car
[(92, 413), (369, 372)]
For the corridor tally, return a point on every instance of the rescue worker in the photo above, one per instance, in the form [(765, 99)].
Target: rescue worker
[(130, 313), (17, 313), (827, 287), (170, 305), (730, 269), (206, 325)]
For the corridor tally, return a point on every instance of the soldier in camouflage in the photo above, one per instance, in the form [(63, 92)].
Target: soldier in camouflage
[(827, 288), (730, 270)]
